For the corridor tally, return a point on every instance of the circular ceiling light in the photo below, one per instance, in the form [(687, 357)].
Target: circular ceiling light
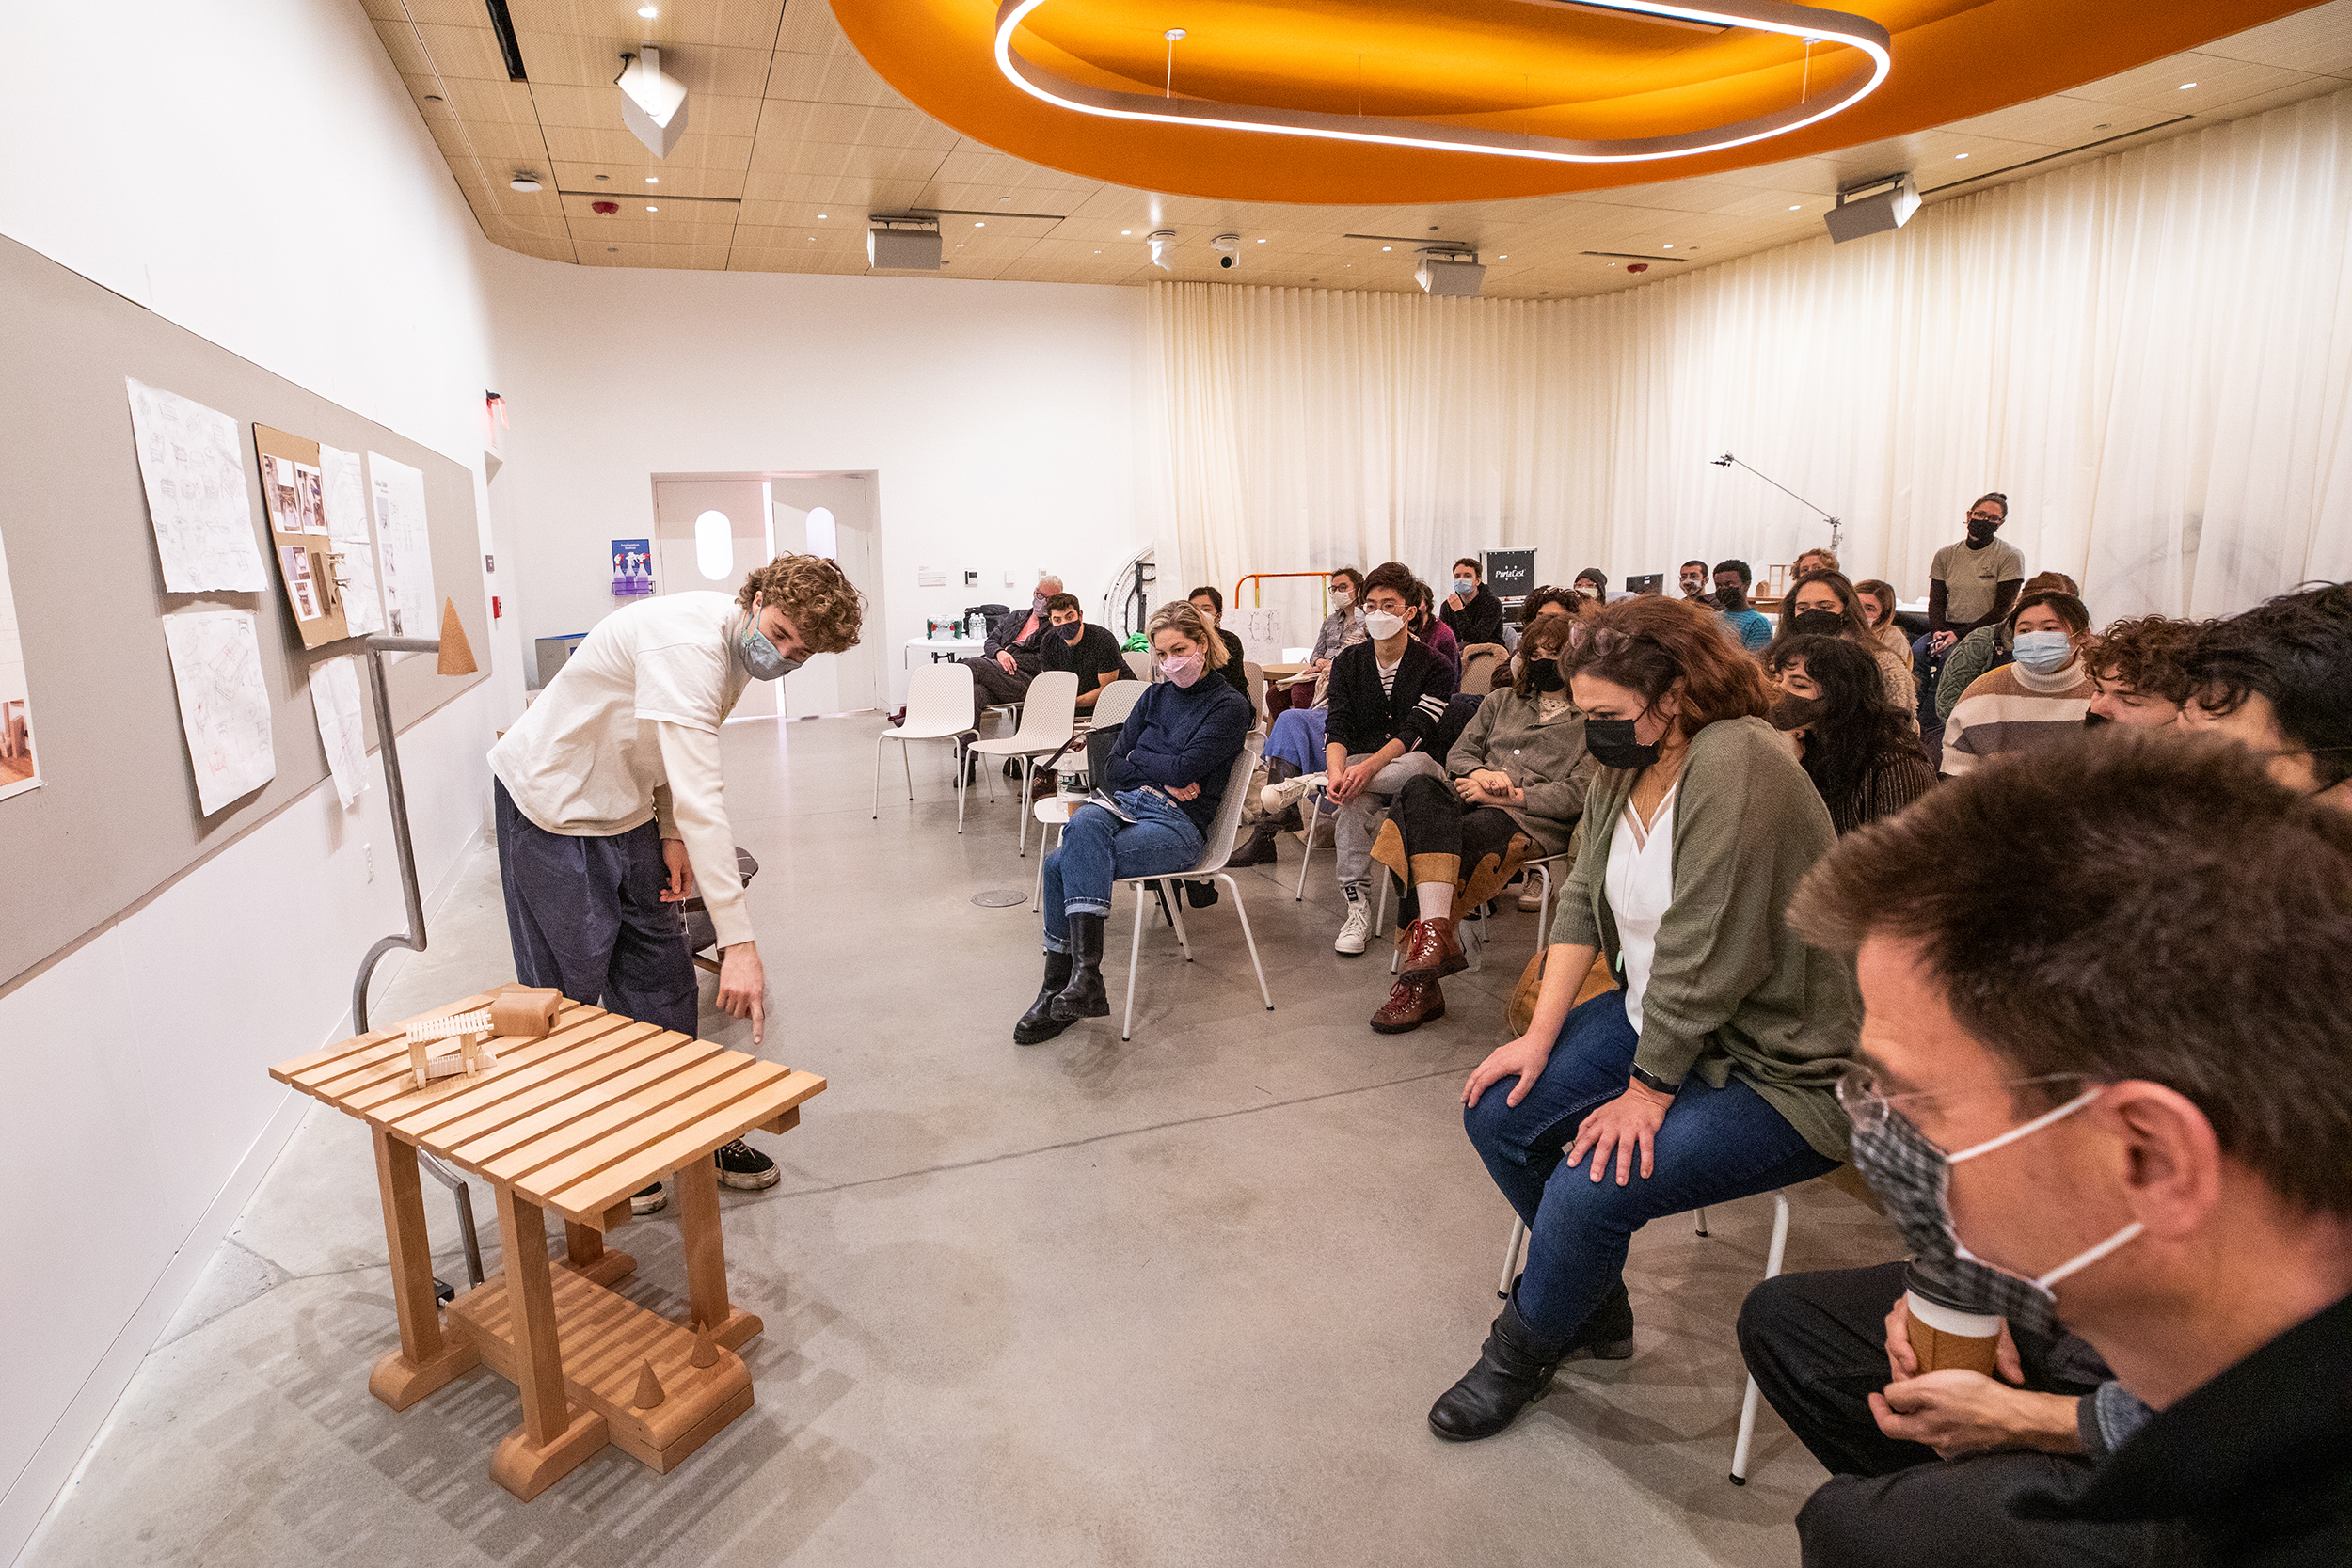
[(528, 183), (1806, 23)]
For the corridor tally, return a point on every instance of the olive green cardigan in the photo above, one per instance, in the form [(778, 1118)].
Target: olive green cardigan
[(1732, 988)]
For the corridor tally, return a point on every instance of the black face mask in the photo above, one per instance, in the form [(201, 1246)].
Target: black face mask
[(2094, 720), (1071, 632), (1792, 712), (1981, 533), (1611, 743), (1819, 622), (1543, 674), (1734, 597)]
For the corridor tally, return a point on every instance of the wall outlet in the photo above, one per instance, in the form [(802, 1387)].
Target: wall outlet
[(366, 862)]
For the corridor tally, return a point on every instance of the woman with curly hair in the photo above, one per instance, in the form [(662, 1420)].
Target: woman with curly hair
[(609, 807), (1709, 1064), (1861, 754)]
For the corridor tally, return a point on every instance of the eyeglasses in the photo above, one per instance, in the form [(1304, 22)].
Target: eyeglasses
[(1867, 1105), (1984, 517)]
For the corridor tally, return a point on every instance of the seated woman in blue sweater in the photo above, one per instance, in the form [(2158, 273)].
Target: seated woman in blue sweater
[(1168, 771)]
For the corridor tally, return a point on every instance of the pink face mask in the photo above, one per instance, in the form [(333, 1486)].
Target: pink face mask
[(1184, 670)]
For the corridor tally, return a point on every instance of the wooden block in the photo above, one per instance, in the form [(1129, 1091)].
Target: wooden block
[(524, 1011), (783, 1122), (527, 1468), (401, 1383)]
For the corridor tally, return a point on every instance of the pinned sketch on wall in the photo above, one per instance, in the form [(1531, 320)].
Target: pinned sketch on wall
[(193, 463), (20, 770), (335, 693), (403, 547), (224, 704), (293, 494), (353, 557)]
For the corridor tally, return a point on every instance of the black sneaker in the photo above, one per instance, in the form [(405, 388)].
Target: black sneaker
[(650, 1200), (746, 1169), (1199, 894)]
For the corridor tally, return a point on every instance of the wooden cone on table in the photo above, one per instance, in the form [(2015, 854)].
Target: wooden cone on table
[(705, 1348), (648, 1388), (456, 653)]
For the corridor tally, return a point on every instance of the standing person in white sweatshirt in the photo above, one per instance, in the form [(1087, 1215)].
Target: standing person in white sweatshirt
[(610, 805)]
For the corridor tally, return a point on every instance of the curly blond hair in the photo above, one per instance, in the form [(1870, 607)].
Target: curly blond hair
[(825, 609), (1184, 616)]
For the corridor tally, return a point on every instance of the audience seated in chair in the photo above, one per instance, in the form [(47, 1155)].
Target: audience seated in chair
[(1343, 627), (1471, 611), (1432, 633), (1826, 605), (1984, 650), (2041, 696), (1515, 787), (1387, 696), (1709, 1071), (1861, 751), (2139, 669), (1009, 657), (1166, 773), (2279, 680), (1211, 604)]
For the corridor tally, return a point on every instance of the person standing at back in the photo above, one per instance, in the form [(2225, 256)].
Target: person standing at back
[(1471, 611), (1974, 580), (1748, 628)]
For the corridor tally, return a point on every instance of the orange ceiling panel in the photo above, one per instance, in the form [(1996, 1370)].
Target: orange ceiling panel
[(1519, 66)]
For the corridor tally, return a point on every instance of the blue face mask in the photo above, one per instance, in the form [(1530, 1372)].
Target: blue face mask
[(2044, 653), (758, 655), (1071, 632), (1467, 587)]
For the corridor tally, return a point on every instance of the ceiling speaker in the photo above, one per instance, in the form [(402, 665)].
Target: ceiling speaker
[(1891, 208), (902, 249), (1437, 276)]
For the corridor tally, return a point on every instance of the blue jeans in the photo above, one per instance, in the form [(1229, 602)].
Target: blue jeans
[(1716, 1144), (1097, 849), (1298, 737)]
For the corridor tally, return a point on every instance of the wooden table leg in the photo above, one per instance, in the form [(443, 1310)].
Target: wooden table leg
[(426, 1358), (554, 1439), (707, 1258), (584, 1254)]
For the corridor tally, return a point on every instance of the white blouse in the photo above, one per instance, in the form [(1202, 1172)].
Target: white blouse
[(1640, 886)]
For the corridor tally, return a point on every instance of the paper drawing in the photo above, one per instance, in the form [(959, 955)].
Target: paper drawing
[(224, 704), (192, 460), (299, 578), (404, 547), (335, 693), (20, 770), (344, 494)]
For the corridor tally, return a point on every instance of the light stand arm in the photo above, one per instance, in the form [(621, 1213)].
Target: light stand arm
[(1836, 529)]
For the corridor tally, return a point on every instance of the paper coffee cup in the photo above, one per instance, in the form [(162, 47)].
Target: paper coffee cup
[(1942, 1337)]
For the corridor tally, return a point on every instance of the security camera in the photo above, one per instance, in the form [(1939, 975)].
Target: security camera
[(1229, 250)]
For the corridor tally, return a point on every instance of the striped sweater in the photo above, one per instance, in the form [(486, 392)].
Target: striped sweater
[(2012, 709)]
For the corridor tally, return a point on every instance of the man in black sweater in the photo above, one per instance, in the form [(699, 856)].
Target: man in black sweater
[(1471, 611), (1071, 644), (1387, 696)]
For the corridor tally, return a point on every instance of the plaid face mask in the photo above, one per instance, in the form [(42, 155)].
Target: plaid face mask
[(1913, 1178)]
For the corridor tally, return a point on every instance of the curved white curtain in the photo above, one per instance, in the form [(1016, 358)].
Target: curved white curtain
[(2152, 353)]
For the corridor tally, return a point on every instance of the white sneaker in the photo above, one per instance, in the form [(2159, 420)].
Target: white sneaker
[(1275, 798), (1532, 896), (1357, 934)]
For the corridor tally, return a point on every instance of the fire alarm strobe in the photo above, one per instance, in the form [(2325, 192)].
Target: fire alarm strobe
[(606, 208)]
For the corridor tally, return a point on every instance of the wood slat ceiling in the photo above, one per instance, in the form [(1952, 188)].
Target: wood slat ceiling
[(793, 141)]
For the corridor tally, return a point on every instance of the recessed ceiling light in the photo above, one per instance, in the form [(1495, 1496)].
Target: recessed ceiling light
[(653, 179), (1795, 206), (1957, 156), (1504, 257), (652, 209), (1387, 247), (1004, 199), (1126, 231), (2185, 86), (1667, 248), (1098, 253), (604, 177), (1262, 241), (648, 12)]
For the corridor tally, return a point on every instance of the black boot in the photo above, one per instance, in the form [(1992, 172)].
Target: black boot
[(1516, 1363), (1259, 848), (1084, 996), (1039, 1025)]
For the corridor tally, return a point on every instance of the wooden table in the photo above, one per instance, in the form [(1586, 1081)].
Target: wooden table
[(572, 1123)]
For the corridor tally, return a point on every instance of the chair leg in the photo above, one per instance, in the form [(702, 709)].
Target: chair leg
[(1380, 909), (1135, 958), (1037, 899), (1174, 892), (962, 789), (878, 745), (908, 763), (1512, 1251), (1772, 1257), (1027, 764), (1702, 1230), (1234, 888)]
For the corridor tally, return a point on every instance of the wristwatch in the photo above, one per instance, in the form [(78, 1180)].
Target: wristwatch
[(1652, 1082)]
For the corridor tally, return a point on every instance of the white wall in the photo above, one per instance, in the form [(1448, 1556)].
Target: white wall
[(257, 174), (999, 419)]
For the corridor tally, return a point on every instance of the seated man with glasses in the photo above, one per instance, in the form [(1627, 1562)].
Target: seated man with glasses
[(2074, 1130)]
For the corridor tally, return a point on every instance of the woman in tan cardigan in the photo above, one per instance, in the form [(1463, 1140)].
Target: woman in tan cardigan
[(1708, 1069)]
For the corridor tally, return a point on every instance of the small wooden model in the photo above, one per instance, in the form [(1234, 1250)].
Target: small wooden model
[(524, 1012), (469, 1030)]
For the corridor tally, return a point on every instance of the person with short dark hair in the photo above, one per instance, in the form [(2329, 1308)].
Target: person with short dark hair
[(2139, 670), (1971, 582), (1471, 611), (2045, 1023), (1747, 626), (2279, 679), (1090, 652), (1211, 604), (1693, 579), (1861, 751), (1387, 696), (2027, 703), (1709, 1067)]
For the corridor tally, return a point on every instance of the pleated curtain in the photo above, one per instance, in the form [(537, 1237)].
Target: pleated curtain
[(2151, 353)]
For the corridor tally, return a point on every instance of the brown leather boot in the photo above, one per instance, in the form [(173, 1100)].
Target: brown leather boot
[(1411, 1004), (1432, 951)]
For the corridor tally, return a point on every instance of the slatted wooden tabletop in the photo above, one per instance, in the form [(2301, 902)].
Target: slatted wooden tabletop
[(574, 1121)]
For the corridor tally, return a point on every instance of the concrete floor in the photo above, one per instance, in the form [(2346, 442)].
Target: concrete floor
[(1183, 1300)]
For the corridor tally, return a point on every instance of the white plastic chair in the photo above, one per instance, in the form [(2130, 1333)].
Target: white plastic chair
[(939, 707), (1253, 676), (1049, 713), (1515, 1256), (1139, 662), (1216, 845), (1117, 700)]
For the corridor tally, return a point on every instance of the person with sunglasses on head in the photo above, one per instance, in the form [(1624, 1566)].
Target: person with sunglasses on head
[(1860, 751), (2033, 1030), (2277, 680), (1705, 1072), (1972, 581), (2042, 695)]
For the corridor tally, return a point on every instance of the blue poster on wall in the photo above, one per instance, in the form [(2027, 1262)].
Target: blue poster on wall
[(632, 567)]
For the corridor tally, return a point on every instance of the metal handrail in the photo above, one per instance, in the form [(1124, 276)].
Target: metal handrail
[(1256, 600)]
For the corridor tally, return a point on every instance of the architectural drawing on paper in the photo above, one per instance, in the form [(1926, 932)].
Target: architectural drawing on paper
[(335, 693), (192, 460), (20, 769), (403, 546), (224, 704), (354, 559)]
